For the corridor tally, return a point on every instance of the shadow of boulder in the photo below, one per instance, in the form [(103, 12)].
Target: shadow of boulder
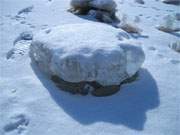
[(128, 107)]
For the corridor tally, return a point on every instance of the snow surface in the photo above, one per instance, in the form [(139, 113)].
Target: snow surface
[(30, 104), (77, 53)]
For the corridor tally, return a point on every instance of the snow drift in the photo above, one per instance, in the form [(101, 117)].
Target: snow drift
[(78, 53)]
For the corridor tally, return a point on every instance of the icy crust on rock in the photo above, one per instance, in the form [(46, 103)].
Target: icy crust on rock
[(86, 52)]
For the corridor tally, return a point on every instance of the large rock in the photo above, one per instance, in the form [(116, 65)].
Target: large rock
[(89, 52), (103, 10), (107, 5)]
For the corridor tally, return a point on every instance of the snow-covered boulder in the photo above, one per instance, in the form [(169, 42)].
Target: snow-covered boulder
[(89, 52), (104, 10)]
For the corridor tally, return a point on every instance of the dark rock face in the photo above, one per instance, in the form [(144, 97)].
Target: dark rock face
[(103, 13), (174, 2), (84, 88)]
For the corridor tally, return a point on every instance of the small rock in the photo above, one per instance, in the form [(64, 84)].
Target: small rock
[(130, 28), (152, 48), (177, 16), (175, 46)]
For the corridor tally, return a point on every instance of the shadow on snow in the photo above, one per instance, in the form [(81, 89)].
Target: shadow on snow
[(127, 107)]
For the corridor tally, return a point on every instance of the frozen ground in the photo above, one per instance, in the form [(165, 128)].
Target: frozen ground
[(30, 104)]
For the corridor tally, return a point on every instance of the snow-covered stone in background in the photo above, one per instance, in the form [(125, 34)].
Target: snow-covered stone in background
[(169, 24), (107, 5), (101, 16), (177, 16), (129, 26), (80, 3), (77, 52), (104, 9), (175, 46)]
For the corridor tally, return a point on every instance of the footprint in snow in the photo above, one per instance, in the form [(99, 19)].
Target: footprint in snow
[(26, 10), (170, 10), (17, 123), (13, 91), (43, 27), (23, 22), (160, 56), (21, 15), (21, 45), (151, 48), (148, 17), (142, 6), (30, 25), (155, 8), (175, 62)]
